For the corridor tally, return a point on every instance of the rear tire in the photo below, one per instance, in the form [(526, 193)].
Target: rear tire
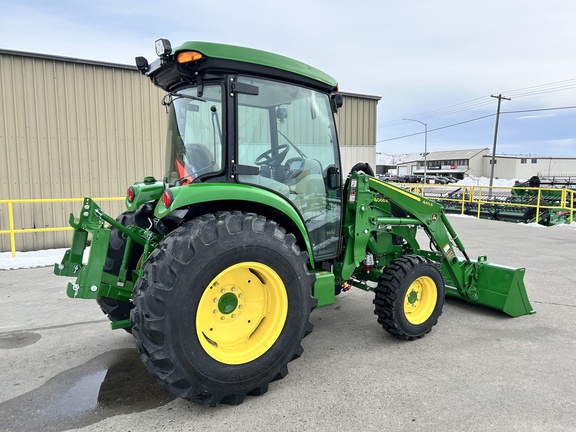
[(222, 307), (118, 310), (409, 297)]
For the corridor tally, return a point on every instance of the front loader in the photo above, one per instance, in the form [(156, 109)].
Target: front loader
[(216, 268)]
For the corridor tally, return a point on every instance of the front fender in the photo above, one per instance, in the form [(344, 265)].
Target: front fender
[(184, 196)]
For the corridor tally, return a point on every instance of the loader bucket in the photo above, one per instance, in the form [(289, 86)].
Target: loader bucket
[(498, 287)]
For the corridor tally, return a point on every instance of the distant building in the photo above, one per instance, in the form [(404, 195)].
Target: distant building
[(477, 163), (526, 166), (457, 163)]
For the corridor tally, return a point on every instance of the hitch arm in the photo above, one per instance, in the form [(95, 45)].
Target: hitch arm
[(91, 280)]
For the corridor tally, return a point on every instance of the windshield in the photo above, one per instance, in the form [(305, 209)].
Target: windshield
[(194, 142), (288, 133)]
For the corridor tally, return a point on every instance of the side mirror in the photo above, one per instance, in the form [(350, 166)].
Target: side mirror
[(142, 64), (337, 100), (333, 180)]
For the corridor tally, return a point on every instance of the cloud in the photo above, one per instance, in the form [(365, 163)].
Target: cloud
[(566, 143), (534, 116)]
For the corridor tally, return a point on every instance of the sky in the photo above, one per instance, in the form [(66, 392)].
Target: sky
[(437, 62)]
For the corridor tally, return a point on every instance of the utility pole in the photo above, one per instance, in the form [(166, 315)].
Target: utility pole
[(493, 161)]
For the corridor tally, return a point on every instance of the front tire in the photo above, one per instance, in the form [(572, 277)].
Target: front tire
[(409, 297), (222, 307)]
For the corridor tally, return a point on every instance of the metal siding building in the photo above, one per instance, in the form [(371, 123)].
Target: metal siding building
[(72, 128), (525, 166), (455, 162), (356, 123)]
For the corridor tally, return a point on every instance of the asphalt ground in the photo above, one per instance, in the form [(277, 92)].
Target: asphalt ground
[(62, 368)]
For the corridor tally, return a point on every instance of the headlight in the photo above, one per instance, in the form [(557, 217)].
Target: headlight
[(163, 47)]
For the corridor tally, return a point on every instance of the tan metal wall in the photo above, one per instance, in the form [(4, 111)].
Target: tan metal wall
[(356, 123), (72, 129)]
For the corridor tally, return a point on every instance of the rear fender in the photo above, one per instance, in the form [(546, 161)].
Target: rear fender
[(185, 196)]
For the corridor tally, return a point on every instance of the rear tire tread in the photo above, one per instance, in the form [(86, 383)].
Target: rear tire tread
[(118, 310), (153, 289)]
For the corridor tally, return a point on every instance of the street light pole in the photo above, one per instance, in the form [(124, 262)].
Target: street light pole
[(425, 145)]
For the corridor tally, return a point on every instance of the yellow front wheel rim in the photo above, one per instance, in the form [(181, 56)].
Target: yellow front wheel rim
[(420, 300), (241, 313)]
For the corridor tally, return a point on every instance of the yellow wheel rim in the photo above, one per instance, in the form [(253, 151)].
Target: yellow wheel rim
[(420, 300), (241, 313)]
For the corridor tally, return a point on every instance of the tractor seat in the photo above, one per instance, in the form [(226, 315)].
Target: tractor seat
[(200, 160)]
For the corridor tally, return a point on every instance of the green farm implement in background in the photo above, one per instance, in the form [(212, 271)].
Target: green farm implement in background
[(545, 202)]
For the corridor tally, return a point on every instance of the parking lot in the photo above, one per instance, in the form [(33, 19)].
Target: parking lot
[(62, 368)]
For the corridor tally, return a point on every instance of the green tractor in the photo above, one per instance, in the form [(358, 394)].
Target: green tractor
[(216, 268)]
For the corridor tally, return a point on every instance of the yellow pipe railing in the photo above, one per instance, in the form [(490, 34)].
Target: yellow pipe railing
[(565, 204), (11, 231), (468, 195)]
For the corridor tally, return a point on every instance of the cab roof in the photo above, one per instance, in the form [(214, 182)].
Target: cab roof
[(256, 57)]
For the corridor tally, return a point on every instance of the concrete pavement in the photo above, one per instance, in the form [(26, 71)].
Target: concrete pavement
[(478, 370)]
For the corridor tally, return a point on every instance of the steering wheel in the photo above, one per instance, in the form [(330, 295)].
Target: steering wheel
[(274, 156)]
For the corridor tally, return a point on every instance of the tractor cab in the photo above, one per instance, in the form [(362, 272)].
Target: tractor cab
[(232, 121)]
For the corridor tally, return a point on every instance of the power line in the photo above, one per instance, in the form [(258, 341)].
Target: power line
[(542, 91), (453, 109), (476, 119), (543, 88), (438, 128), (468, 107), (539, 109), (484, 100), (461, 105)]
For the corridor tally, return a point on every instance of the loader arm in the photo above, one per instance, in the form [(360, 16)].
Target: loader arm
[(382, 219)]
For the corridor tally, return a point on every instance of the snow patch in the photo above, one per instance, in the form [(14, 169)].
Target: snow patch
[(485, 181), (395, 159), (458, 215), (32, 259), (534, 225)]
